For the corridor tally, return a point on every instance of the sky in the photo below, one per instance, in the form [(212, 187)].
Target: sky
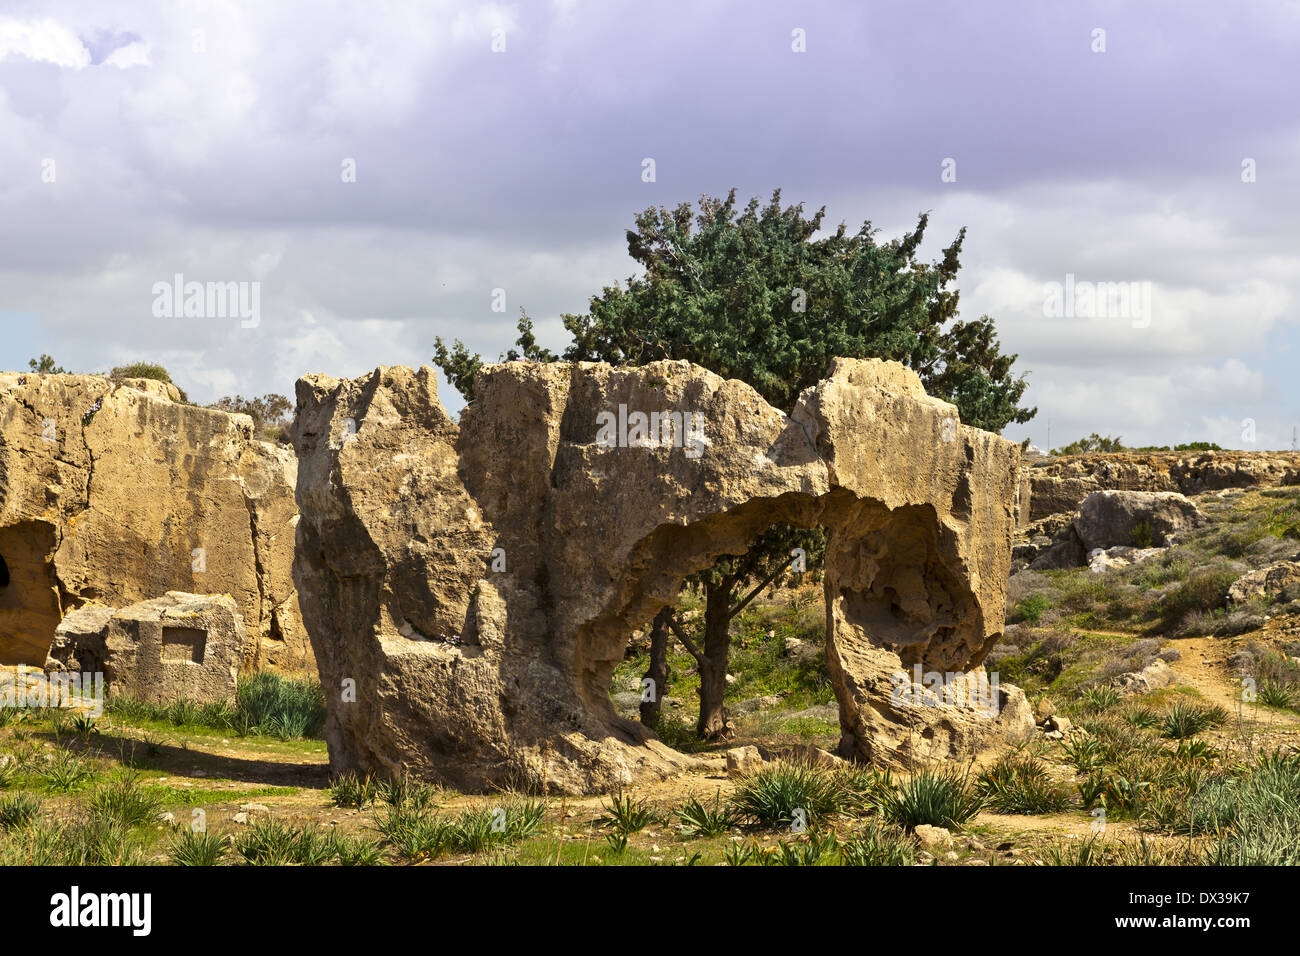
[(381, 174)]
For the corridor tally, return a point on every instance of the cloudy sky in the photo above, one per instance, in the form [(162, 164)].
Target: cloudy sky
[(380, 169)]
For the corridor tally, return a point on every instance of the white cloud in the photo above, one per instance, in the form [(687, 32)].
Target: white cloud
[(43, 41), (133, 54)]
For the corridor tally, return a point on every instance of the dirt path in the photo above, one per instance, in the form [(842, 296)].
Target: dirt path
[(1204, 667)]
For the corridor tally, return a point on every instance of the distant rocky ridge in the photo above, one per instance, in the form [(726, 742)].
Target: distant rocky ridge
[(1051, 486)]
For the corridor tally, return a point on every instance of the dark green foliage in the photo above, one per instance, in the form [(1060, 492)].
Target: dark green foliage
[(878, 845), (271, 413), (772, 795), (1019, 784), (191, 848), (701, 820), (45, 366), (1093, 443), (941, 798)]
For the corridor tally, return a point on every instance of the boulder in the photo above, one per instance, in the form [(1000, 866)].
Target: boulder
[(477, 582), (115, 492), (1110, 518), (1155, 675), (932, 838), (743, 760), (801, 651), (814, 756), (177, 647), (1266, 582)]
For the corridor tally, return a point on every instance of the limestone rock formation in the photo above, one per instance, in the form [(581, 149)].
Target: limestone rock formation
[(1270, 581), (1054, 485), (1108, 519), (469, 588), (115, 493), (176, 647), (1106, 529)]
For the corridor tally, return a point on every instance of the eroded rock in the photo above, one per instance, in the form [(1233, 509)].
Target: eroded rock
[(176, 647), (1266, 582), (1109, 519), (116, 493), (478, 582)]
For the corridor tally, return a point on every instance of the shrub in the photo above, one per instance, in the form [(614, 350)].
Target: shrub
[(700, 820), (1019, 784), (1143, 535), (18, 810), (627, 815), (124, 801), (189, 848), (283, 706), (1186, 720), (1030, 609), (771, 795), (940, 798), (268, 842), (1095, 700), (350, 790), (877, 845), (1203, 591)]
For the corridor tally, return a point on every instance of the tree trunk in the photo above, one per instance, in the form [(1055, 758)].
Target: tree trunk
[(713, 668), (652, 696)]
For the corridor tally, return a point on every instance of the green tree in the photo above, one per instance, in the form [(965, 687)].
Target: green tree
[(756, 294), (45, 366), (1092, 443), (271, 413)]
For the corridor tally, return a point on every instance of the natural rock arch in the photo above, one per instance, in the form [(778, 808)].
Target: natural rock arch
[(402, 510)]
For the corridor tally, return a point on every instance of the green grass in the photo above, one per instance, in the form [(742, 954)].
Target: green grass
[(201, 796), (268, 704)]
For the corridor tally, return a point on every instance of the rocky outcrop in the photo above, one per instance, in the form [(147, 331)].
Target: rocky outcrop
[(1109, 519), (1266, 582), (114, 493), (1155, 675), (469, 588), (1061, 484), (176, 647), (1111, 529)]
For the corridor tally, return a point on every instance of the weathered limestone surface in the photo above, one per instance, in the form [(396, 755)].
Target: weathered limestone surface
[(176, 647), (107, 493), (1061, 484), (485, 675)]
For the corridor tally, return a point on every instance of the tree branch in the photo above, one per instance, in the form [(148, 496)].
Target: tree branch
[(754, 593), (686, 641)]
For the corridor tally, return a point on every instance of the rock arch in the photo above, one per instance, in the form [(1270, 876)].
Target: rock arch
[(484, 677)]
